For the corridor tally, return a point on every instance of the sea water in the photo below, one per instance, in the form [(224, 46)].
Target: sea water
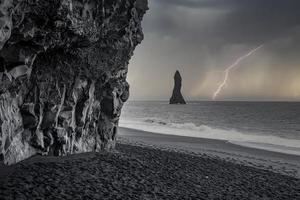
[(273, 126)]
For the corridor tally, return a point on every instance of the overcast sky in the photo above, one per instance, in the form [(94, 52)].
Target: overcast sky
[(201, 38)]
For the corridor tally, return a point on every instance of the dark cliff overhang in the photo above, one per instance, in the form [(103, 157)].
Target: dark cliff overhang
[(63, 68)]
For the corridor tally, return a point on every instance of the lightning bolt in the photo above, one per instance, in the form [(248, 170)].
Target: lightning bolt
[(227, 71)]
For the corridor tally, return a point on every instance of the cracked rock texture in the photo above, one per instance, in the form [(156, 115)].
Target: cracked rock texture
[(63, 67), (177, 97)]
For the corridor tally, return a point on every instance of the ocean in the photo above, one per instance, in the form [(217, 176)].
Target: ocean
[(273, 126)]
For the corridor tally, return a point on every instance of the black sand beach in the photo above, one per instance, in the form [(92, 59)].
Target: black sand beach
[(286, 164), (135, 172)]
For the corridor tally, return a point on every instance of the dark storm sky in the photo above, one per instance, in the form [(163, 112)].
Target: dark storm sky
[(201, 38)]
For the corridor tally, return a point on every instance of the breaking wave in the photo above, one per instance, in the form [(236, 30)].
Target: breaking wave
[(266, 142)]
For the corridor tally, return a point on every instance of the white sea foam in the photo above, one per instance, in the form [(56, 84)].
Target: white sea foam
[(267, 142)]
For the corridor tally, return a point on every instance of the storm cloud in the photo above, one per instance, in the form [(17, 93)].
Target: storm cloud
[(202, 37)]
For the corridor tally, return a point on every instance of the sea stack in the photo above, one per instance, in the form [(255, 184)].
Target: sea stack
[(177, 97), (63, 68)]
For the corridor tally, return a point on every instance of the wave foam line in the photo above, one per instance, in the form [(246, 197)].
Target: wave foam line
[(266, 142)]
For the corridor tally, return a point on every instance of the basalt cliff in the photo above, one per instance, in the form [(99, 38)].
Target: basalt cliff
[(63, 68), (177, 97)]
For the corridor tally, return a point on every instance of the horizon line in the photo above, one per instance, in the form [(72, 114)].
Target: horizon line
[(283, 101)]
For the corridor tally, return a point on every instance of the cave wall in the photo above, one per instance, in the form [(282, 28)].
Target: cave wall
[(63, 68)]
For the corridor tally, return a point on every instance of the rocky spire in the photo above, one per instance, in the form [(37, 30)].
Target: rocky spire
[(177, 97)]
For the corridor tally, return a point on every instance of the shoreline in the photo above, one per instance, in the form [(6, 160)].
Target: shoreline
[(266, 142), (287, 164)]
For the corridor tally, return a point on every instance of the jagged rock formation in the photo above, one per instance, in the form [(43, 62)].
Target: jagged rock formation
[(177, 97), (63, 67)]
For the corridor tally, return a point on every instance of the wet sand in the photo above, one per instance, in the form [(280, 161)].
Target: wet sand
[(145, 171), (277, 162)]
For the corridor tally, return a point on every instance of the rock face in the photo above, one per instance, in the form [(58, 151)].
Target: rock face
[(63, 68), (177, 97)]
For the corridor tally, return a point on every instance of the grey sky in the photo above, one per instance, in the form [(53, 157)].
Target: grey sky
[(202, 37)]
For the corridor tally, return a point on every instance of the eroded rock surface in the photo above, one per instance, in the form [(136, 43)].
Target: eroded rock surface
[(177, 97), (63, 68)]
